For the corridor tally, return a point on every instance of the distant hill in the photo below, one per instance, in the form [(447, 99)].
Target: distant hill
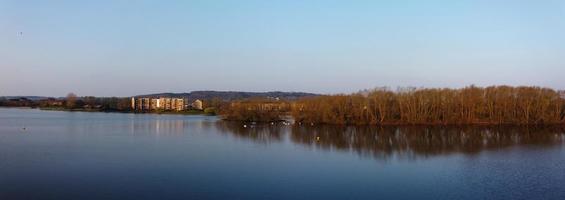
[(231, 95), (33, 98)]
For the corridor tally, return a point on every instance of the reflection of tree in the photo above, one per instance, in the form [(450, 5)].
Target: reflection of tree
[(422, 141), (263, 133), (404, 141)]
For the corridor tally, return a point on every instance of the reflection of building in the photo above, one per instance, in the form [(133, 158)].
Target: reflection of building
[(162, 103), (197, 104)]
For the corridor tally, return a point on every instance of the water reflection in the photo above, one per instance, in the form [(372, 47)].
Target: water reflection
[(405, 142), (116, 124), (159, 126), (383, 142), (257, 133)]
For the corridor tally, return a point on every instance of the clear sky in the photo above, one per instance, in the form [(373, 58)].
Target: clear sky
[(122, 48)]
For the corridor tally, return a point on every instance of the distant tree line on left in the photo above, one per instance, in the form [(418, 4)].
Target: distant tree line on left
[(72, 102)]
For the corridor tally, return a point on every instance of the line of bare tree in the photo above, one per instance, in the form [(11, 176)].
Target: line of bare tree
[(254, 110), (469, 105)]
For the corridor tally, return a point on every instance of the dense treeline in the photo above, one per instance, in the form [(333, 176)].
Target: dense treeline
[(102, 103), (470, 105), (72, 102), (254, 110), (19, 102)]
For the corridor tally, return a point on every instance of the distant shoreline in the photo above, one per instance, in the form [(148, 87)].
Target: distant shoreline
[(306, 124), (190, 112)]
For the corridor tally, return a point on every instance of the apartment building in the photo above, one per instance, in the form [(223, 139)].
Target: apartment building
[(197, 104), (162, 103)]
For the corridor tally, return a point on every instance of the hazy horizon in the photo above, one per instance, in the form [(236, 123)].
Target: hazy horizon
[(119, 48)]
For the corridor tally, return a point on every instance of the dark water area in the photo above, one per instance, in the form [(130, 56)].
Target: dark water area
[(80, 155)]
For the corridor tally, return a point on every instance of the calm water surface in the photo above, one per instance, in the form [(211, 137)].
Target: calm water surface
[(77, 155)]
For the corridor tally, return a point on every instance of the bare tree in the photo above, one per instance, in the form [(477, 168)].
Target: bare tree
[(469, 105), (71, 100)]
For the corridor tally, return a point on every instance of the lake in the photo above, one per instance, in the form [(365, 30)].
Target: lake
[(81, 155)]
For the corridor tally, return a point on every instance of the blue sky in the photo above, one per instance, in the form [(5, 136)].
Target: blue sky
[(122, 48)]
